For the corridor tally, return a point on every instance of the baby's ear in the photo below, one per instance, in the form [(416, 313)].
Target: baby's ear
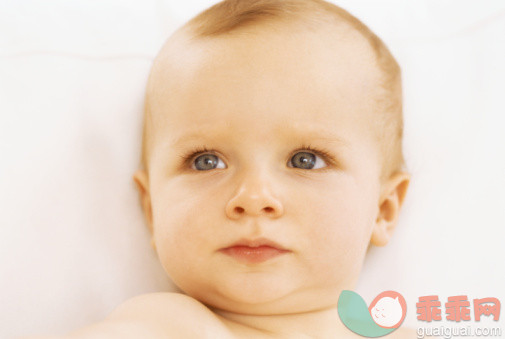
[(142, 182), (393, 194)]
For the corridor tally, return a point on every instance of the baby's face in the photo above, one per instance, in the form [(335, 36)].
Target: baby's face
[(257, 137)]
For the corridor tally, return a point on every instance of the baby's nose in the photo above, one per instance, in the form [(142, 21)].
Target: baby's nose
[(254, 200)]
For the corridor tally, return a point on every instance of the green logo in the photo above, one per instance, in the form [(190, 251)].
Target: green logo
[(385, 314)]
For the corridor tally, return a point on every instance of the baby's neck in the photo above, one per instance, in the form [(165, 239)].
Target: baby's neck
[(323, 323)]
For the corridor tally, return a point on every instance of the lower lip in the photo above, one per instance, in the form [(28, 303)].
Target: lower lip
[(253, 255)]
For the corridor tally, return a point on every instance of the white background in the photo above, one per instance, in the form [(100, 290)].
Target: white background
[(73, 244)]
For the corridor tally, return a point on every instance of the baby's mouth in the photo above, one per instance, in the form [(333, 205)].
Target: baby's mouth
[(254, 251)]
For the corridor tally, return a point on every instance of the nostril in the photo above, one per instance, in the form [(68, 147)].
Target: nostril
[(268, 209), (239, 210)]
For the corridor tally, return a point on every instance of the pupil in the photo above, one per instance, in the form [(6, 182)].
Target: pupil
[(206, 162), (304, 160)]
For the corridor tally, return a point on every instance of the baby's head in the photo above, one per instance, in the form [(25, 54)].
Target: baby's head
[(272, 154)]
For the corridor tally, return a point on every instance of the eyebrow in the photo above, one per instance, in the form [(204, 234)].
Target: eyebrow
[(288, 130), (199, 133), (311, 131)]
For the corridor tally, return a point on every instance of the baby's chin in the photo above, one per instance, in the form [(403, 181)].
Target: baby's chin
[(246, 298), (276, 300)]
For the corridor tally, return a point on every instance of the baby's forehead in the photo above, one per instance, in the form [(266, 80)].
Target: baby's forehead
[(286, 52), (340, 39)]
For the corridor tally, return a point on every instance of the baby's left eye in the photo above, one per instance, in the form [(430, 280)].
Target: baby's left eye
[(306, 160)]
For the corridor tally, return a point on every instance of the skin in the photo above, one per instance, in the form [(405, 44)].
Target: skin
[(255, 99)]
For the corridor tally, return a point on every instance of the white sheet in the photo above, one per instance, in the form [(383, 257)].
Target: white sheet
[(73, 243)]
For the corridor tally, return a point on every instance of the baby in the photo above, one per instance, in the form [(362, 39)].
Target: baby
[(272, 159)]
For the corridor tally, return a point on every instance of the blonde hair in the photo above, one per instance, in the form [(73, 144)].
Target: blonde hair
[(229, 16)]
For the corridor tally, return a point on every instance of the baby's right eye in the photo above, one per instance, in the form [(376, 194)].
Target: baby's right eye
[(207, 162)]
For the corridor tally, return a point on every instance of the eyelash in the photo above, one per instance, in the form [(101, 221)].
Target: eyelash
[(326, 155), (190, 156)]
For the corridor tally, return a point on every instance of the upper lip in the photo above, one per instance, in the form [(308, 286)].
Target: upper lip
[(257, 242)]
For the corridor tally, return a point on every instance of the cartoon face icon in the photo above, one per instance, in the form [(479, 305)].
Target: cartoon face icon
[(387, 312), (384, 315)]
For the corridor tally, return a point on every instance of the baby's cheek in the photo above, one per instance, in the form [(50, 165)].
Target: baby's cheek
[(344, 216), (188, 221), (177, 245), (339, 233), (174, 227)]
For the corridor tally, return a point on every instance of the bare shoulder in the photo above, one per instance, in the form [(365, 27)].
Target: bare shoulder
[(161, 306), (171, 313), (157, 315)]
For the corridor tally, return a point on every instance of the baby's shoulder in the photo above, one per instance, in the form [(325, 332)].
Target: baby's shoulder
[(173, 314), (159, 306)]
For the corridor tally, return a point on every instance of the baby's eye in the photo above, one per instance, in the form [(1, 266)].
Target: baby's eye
[(306, 160), (207, 161)]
